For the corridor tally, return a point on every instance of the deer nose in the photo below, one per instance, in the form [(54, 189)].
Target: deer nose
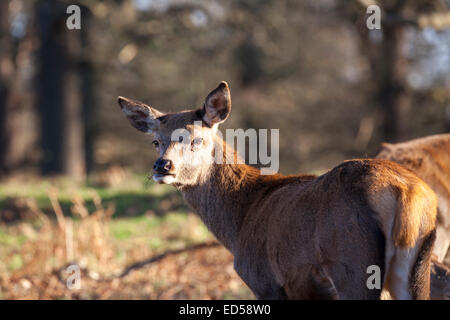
[(162, 166)]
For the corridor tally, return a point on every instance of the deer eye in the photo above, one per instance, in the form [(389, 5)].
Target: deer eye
[(197, 141), (155, 143)]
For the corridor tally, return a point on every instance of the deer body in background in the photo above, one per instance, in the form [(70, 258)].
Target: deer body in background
[(428, 158), (298, 236)]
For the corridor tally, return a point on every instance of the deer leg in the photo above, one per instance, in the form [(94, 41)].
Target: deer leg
[(397, 278), (442, 243), (323, 287), (420, 274), (409, 271)]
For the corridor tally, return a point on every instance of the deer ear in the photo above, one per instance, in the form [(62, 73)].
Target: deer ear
[(217, 105), (141, 116)]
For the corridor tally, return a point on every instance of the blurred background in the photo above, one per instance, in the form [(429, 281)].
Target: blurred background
[(73, 186)]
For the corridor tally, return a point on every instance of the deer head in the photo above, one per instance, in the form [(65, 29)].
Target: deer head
[(186, 140)]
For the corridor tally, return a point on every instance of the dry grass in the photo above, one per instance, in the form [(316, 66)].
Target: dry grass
[(34, 254)]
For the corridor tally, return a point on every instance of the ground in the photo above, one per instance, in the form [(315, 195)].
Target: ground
[(105, 227)]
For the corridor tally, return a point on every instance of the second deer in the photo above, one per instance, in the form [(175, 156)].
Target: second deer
[(429, 158)]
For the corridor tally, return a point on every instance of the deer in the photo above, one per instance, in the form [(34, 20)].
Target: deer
[(439, 281), (429, 159), (296, 236)]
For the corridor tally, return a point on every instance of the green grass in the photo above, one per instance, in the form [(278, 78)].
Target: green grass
[(133, 197), (11, 241), (148, 219), (146, 214), (160, 232), (15, 262), (10, 238)]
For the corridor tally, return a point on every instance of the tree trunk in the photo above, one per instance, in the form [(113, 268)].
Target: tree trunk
[(13, 145), (394, 94), (88, 85), (4, 84), (59, 93), (388, 66)]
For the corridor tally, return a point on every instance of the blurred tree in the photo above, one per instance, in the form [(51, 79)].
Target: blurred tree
[(65, 91), (88, 86), (52, 65), (4, 84), (293, 65), (393, 87), (385, 52), (248, 56), (12, 144)]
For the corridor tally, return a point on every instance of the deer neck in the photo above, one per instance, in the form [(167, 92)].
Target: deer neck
[(222, 198)]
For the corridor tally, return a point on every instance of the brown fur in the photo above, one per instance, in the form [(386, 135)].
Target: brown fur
[(420, 275), (238, 202), (301, 236), (440, 281), (429, 158), (402, 187)]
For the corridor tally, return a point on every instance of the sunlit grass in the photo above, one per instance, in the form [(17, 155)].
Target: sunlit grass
[(168, 231), (142, 216), (133, 196), (118, 225)]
